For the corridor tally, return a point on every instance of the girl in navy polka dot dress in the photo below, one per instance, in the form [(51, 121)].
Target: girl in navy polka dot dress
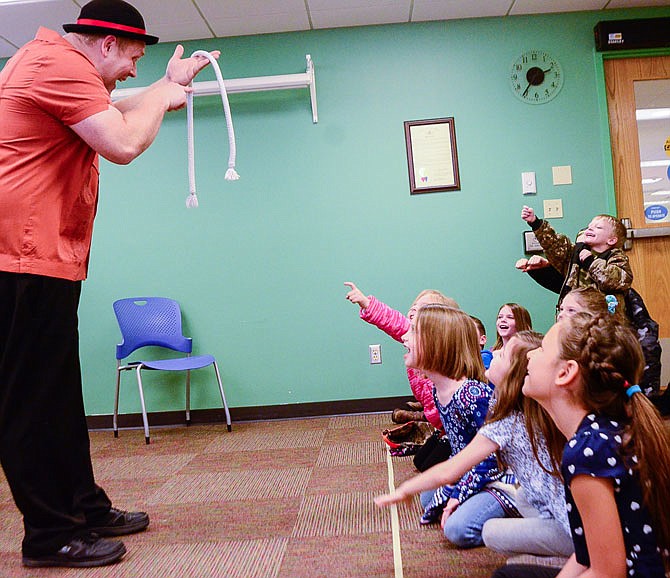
[(616, 464)]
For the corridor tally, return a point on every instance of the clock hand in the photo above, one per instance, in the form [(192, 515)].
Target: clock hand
[(535, 76), (525, 92)]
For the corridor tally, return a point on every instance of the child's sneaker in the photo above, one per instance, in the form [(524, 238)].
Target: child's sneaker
[(404, 415), (430, 517)]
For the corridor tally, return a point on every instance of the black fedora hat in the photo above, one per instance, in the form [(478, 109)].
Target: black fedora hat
[(111, 17)]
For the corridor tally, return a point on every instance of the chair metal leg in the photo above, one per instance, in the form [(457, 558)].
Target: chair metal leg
[(223, 396), (115, 424), (188, 398), (144, 409)]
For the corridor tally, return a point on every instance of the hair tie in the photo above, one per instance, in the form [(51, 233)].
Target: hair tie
[(631, 389), (612, 303)]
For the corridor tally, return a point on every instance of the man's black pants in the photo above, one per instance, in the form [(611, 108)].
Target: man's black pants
[(44, 443)]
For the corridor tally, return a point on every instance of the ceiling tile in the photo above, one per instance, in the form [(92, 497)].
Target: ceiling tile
[(453, 9), (6, 49), (19, 22), (240, 17), (356, 4), (547, 6), (181, 22), (361, 13), (173, 32), (260, 24), (243, 9), (635, 3)]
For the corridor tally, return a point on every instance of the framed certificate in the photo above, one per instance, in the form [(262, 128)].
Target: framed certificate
[(431, 155)]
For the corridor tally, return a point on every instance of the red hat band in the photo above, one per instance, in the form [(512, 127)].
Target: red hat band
[(114, 25)]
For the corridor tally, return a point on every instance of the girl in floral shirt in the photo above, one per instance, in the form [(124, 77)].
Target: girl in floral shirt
[(443, 343)]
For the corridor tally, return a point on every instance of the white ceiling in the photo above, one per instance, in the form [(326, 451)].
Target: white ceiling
[(177, 20)]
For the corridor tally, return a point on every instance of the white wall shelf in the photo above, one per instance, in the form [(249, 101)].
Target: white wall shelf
[(305, 79)]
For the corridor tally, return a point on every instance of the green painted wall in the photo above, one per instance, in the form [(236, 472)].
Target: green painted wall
[(259, 267)]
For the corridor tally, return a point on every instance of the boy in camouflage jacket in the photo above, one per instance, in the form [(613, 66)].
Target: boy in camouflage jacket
[(596, 260)]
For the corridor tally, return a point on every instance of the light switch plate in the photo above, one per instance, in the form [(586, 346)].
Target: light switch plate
[(528, 184), (553, 209)]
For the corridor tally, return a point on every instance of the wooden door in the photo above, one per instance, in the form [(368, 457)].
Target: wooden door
[(649, 256)]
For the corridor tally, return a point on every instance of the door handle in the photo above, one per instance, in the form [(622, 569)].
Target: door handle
[(632, 233)]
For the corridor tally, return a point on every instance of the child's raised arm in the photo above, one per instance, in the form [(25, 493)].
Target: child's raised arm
[(356, 295), (528, 214), (535, 262), (444, 473)]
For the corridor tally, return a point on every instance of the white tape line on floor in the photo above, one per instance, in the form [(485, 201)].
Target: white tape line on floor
[(395, 522)]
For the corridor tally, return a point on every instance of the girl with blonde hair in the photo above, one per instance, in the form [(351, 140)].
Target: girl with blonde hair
[(442, 342)]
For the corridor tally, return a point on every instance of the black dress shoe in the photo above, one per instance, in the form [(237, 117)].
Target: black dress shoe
[(81, 552), (119, 523)]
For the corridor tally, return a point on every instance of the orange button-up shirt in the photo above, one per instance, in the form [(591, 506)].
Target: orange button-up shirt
[(48, 175)]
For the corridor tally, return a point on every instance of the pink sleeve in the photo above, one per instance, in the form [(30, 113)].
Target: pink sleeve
[(390, 321), (422, 388), (395, 325)]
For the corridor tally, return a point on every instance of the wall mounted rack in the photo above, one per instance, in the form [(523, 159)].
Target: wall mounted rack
[(305, 79)]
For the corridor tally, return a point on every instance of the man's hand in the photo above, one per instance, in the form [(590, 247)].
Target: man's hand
[(356, 296), (175, 94), (528, 214), (184, 70)]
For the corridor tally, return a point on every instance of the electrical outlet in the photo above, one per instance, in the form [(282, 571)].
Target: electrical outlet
[(375, 354), (553, 209)]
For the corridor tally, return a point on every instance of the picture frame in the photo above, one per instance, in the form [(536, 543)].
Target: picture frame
[(432, 157), (531, 246)]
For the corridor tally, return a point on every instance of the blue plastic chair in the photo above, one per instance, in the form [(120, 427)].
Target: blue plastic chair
[(156, 321)]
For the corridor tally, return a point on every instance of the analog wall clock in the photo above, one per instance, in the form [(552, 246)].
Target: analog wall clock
[(536, 77)]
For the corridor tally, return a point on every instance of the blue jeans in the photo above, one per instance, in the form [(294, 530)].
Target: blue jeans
[(464, 527)]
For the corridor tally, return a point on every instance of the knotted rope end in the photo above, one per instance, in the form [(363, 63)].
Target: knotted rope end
[(231, 175), (192, 201)]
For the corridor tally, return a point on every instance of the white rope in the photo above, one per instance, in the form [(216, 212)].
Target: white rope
[(231, 174)]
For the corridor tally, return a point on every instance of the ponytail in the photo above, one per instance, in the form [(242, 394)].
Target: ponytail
[(610, 359), (649, 441)]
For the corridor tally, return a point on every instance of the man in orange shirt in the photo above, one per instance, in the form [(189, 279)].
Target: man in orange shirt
[(56, 117)]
